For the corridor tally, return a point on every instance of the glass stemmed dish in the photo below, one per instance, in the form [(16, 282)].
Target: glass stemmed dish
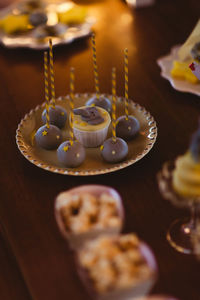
[(181, 232)]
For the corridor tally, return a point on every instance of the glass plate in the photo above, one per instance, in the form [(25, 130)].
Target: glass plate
[(166, 63), (93, 164), (28, 40)]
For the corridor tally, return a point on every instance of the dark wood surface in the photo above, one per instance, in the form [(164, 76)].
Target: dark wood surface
[(35, 262)]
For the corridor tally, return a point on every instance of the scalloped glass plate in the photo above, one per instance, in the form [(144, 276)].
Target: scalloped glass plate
[(28, 40), (166, 63), (93, 164)]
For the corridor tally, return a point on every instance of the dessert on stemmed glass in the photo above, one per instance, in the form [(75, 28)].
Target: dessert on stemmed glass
[(179, 182)]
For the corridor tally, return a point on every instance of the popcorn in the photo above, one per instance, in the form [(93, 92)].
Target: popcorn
[(83, 212), (114, 263)]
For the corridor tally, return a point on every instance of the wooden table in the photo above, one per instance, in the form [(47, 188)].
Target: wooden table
[(35, 261)]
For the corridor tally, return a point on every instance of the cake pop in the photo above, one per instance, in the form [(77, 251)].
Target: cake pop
[(37, 18), (127, 126), (47, 136), (114, 149), (98, 100), (57, 114), (71, 153)]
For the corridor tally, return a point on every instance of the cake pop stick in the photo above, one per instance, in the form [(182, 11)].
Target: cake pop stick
[(57, 114), (96, 76), (114, 104), (97, 100), (71, 103), (47, 136), (127, 126), (52, 73), (71, 154), (114, 149), (46, 83), (126, 81)]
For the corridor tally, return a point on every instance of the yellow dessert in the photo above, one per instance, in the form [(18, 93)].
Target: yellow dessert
[(15, 23), (186, 176), (75, 15), (181, 70)]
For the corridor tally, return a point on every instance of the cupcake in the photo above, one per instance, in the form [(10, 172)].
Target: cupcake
[(116, 268), (186, 175), (91, 125), (88, 211)]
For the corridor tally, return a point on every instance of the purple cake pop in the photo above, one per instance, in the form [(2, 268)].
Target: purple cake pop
[(57, 116), (102, 102), (114, 151), (127, 129), (71, 156), (48, 138)]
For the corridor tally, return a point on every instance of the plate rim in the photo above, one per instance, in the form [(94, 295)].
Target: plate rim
[(86, 29), (175, 83), (152, 136)]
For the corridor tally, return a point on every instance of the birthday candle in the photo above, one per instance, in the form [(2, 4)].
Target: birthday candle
[(114, 104), (96, 76), (52, 72), (126, 81), (71, 103), (46, 88)]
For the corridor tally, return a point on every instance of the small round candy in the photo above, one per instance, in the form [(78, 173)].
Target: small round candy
[(114, 151), (57, 116), (71, 156), (37, 18), (44, 30), (102, 102), (48, 138), (127, 129)]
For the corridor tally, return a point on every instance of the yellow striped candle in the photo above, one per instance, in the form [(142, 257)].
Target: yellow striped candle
[(94, 56), (71, 103), (46, 84), (114, 104), (126, 81), (52, 77)]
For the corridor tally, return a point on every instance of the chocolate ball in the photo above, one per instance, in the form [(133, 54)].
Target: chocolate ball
[(57, 116), (71, 156), (102, 102), (44, 30), (48, 138), (114, 151), (37, 18), (127, 129)]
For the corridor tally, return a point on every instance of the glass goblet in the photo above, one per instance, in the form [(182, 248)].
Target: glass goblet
[(181, 231)]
